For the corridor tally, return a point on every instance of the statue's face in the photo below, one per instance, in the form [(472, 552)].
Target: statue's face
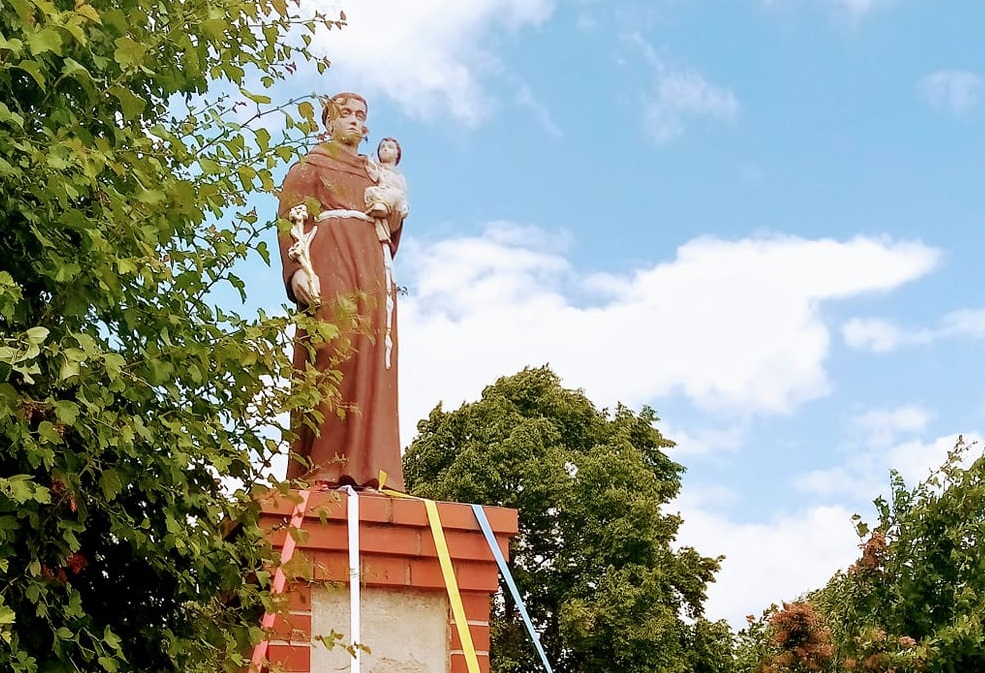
[(388, 152), (347, 127)]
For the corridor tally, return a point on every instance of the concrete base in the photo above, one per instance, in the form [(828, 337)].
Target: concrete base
[(407, 624), (404, 630)]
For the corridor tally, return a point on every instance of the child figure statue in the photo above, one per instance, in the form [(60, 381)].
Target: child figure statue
[(386, 198), (389, 195)]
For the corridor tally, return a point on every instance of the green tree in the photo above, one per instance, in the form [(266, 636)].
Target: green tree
[(594, 557), (127, 400), (915, 599)]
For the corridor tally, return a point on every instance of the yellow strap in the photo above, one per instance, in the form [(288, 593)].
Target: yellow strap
[(451, 584)]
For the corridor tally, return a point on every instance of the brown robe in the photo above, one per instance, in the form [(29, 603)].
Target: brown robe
[(347, 256)]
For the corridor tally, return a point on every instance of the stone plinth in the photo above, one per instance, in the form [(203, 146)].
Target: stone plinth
[(406, 621)]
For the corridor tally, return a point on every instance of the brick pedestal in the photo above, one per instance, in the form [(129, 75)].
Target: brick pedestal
[(407, 624)]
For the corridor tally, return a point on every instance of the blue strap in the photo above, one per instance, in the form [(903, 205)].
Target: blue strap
[(505, 571)]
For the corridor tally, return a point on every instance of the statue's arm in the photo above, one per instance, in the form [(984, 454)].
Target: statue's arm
[(291, 196)]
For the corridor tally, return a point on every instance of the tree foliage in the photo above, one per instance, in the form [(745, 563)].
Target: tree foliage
[(914, 600), (127, 400), (593, 558)]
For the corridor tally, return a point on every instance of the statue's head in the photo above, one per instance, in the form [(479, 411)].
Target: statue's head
[(344, 116), (389, 150)]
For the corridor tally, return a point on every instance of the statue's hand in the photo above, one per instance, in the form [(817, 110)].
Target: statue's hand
[(306, 289)]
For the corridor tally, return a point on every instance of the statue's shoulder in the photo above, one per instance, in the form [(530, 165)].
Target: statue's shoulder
[(329, 156)]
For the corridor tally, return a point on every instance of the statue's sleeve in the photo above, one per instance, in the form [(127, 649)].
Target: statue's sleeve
[(294, 191)]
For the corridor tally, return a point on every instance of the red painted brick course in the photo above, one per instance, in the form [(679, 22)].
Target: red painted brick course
[(295, 628), (459, 665), (330, 566), (461, 545), (290, 657), (477, 605), (382, 570), (377, 509), (399, 540), (298, 597), (426, 574), (409, 513), (480, 638), (476, 576)]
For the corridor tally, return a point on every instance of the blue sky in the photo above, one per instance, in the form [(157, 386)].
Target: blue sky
[(760, 217)]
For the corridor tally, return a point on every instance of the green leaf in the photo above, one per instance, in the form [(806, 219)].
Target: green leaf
[(255, 97), (151, 196), (37, 335), (13, 45), (21, 488), (45, 40), (214, 28), (132, 105), (262, 138), (70, 366), (109, 664), (111, 639), (111, 484), (73, 68), (129, 53), (307, 111), (66, 411), (17, 488), (33, 69), (7, 115), (49, 433), (89, 12), (114, 363)]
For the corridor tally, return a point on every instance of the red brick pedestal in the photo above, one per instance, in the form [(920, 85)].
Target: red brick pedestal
[(406, 614)]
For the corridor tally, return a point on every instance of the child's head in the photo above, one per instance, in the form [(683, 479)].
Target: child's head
[(389, 151)]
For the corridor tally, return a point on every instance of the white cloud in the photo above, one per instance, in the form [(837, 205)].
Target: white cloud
[(768, 562), (880, 440), (683, 94), (879, 336), (679, 95), (882, 427), (915, 459), (865, 473), (736, 326), (967, 323), (882, 336), (704, 441), (427, 55), (954, 91), (540, 113), (860, 481)]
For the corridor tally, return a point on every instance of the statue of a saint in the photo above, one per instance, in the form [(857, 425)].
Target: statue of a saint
[(334, 260)]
